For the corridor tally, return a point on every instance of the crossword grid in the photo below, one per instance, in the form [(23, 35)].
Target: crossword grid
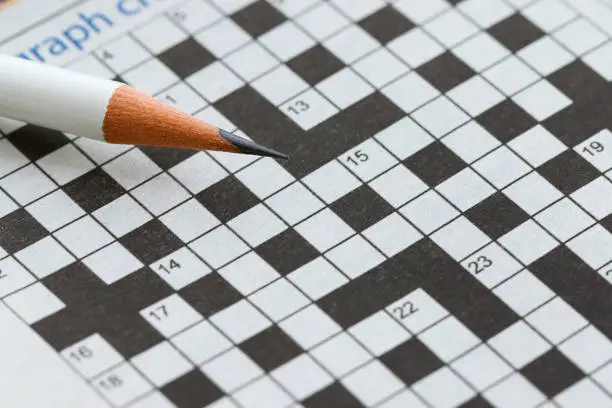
[(238, 286)]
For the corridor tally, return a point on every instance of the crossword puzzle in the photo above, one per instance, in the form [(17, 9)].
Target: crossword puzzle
[(440, 237)]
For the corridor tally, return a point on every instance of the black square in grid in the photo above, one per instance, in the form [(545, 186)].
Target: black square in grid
[(496, 215), (93, 190), (210, 294), (506, 120), (335, 396), (19, 230), (578, 81), (258, 18), (36, 142), (167, 158), (552, 372), (227, 198), (287, 251), (477, 402), (186, 58), (193, 390), (435, 163), (362, 208), (568, 171), (271, 348), (516, 32), (445, 71), (411, 361), (151, 242), (315, 64), (386, 24), (606, 222)]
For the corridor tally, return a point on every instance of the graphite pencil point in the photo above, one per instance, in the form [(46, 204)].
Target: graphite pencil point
[(248, 147)]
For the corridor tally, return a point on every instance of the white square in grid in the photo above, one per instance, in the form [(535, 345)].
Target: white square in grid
[(556, 320), (231, 370), (471, 141), (514, 391), (219, 246), (501, 167), (122, 215), (549, 14), (460, 238), (379, 333), (358, 11), (440, 116), (324, 230), (340, 354), (537, 145), (564, 219), (429, 212), (343, 256), (44, 210), (232, 6), (44, 257), (170, 315), (215, 81), (541, 100), (465, 189), (112, 263), (351, 44), (65, 164), (344, 88), (367, 160), (100, 152), (443, 388), (579, 36), (212, 115), (369, 392), (161, 364), (595, 197), (265, 177), (398, 186), (279, 85), (524, 292), (309, 326), (159, 34), (322, 21), (392, 234), (481, 51), (92, 66), (331, 181), (262, 391), (404, 138), (122, 54), (594, 150), (416, 311), (198, 172), (418, 11), (410, 92), (532, 193), (275, 40), (7, 205), (511, 75), (436, 339), (148, 194), (585, 389), (593, 246), (131, 169), (151, 77), (294, 203), (251, 61), (34, 303), (481, 367), (604, 376), (519, 344), (37, 185), (240, 321), (222, 38), (133, 385), (475, 95), (183, 98), (91, 356), (450, 28), (369, 67), (12, 158), (201, 342), (83, 237), (308, 109), (10, 125), (415, 47), (153, 399), (194, 15), (279, 299), (545, 56), (491, 265), (406, 398), (189, 220), (257, 225), (259, 273), (302, 377), (317, 278), (485, 12), (588, 349), (14, 277), (180, 268), (528, 242)]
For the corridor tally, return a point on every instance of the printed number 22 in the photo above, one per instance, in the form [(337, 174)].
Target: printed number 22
[(405, 310)]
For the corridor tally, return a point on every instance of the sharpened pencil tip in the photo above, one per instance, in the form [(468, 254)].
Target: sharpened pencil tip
[(248, 147)]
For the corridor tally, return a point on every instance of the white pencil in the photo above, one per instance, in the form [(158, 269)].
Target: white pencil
[(106, 110)]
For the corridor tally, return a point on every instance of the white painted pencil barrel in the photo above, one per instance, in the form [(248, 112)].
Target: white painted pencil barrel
[(53, 97)]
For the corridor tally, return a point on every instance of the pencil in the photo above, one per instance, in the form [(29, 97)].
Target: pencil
[(106, 110)]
